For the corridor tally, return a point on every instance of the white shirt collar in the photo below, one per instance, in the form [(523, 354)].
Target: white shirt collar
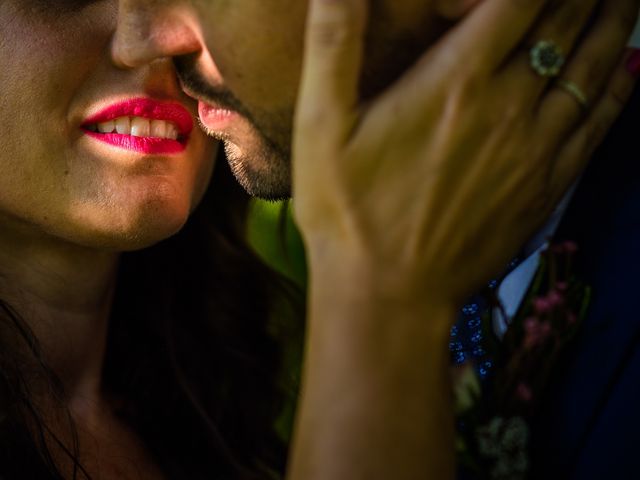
[(514, 286)]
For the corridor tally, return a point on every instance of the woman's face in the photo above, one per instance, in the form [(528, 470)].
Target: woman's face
[(89, 151)]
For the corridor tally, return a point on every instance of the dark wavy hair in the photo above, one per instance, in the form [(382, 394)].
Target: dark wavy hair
[(194, 352)]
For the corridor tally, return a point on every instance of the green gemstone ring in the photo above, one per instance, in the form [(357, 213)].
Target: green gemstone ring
[(547, 59)]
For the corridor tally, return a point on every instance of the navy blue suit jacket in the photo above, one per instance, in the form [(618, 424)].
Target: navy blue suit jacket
[(588, 426)]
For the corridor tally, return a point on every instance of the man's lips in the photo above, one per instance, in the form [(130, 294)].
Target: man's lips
[(214, 117), (143, 125)]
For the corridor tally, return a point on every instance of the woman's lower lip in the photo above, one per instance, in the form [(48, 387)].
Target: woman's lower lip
[(146, 145)]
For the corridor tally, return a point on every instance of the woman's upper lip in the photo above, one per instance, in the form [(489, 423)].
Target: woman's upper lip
[(146, 108)]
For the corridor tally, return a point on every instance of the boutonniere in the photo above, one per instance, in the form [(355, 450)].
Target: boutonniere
[(493, 416)]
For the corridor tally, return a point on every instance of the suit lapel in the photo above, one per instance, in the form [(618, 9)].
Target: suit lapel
[(604, 220)]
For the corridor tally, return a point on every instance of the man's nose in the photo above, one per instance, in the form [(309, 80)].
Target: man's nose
[(151, 29)]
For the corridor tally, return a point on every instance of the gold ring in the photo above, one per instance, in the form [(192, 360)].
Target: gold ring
[(575, 91), (546, 59)]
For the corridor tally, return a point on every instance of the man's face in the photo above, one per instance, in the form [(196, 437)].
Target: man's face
[(242, 60)]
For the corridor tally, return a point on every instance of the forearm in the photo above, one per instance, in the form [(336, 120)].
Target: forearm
[(375, 401)]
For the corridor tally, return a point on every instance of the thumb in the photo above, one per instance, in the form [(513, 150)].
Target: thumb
[(334, 46)]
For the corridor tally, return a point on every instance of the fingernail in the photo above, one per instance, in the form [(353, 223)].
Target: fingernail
[(633, 63)]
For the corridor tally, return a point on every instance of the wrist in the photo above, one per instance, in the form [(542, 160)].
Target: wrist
[(369, 356), (352, 316), (356, 279)]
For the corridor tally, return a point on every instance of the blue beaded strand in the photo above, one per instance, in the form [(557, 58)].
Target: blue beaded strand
[(467, 335)]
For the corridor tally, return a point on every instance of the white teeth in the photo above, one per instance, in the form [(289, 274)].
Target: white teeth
[(107, 127), (172, 131), (140, 127), (123, 126), (158, 128)]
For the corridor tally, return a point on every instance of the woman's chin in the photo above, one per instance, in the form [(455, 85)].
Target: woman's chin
[(129, 231), (140, 238)]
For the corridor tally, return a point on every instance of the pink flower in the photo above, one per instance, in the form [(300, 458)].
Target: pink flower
[(555, 298), (542, 305), (535, 332), (531, 324), (564, 247), (562, 286), (545, 329)]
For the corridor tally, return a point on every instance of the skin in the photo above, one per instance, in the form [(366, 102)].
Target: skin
[(251, 63), (394, 188), (410, 203), (69, 206)]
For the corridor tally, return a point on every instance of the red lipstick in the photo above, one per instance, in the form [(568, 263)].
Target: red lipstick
[(167, 135)]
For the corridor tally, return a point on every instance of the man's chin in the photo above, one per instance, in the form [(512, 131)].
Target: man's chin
[(260, 164), (262, 172)]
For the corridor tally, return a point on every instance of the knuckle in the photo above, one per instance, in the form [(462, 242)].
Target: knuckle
[(335, 24), (596, 69), (513, 112), (468, 87), (595, 133), (330, 34), (446, 60), (310, 118), (620, 92)]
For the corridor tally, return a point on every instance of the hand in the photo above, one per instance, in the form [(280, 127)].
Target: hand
[(437, 183), (413, 201)]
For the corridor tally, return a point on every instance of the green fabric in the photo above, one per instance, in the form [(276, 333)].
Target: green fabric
[(274, 236)]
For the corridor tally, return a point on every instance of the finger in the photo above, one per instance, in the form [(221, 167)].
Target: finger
[(455, 10), (561, 24), (471, 51), (591, 67), (491, 32), (332, 60), (577, 152)]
